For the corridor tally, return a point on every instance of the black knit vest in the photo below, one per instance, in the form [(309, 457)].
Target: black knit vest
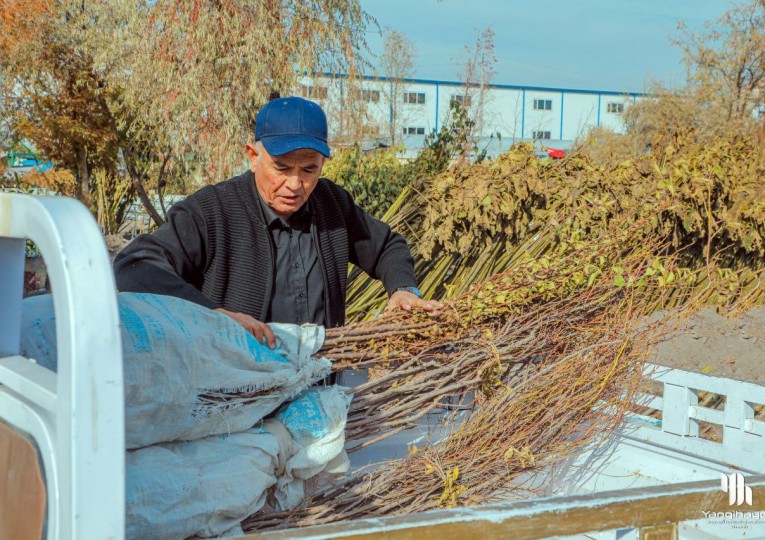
[(240, 265)]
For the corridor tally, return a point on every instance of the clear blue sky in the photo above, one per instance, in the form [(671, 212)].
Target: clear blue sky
[(590, 44)]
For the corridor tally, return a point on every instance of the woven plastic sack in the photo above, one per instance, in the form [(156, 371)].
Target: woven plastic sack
[(311, 434), (190, 372), (208, 486), (199, 488)]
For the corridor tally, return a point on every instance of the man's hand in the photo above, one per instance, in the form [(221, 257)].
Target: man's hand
[(260, 330), (407, 301)]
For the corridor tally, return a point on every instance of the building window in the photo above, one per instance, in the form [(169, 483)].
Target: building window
[(543, 104), (414, 131), (414, 97), (370, 96), (314, 92), (617, 108), (463, 100), (540, 135)]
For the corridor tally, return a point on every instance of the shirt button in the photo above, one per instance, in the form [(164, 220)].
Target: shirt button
[(297, 265), (300, 295)]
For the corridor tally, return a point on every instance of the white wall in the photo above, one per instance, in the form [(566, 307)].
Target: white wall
[(504, 114), (613, 120), (580, 113), (507, 110), (542, 120)]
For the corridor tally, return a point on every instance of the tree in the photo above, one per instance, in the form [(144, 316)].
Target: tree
[(397, 64), (724, 94), (154, 89), (347, 107), (50, 93), (476, 69), (726, 65)]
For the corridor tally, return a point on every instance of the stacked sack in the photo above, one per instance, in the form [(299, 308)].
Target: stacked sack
[(198, 387)]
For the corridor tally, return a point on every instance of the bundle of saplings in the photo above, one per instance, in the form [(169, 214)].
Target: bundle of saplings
[(553, 349), (705, 199)]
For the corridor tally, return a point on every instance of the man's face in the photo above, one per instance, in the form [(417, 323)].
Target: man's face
[(285, 182)]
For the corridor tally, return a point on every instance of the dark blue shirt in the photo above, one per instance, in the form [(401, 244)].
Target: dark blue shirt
[(298, 295)]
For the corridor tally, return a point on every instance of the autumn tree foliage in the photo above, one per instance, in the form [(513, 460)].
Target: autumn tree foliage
[(51, 94), (159, 91), (725, 90), (726, 64), (724, 95)]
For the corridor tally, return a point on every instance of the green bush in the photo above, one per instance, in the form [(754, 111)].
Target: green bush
[(375, 179)]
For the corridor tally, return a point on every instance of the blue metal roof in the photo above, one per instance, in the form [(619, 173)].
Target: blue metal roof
[(497, 86)]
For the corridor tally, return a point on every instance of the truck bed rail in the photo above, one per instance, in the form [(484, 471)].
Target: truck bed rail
[(75, 416)]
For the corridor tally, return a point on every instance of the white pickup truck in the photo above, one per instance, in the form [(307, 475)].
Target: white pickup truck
[(62, 472)]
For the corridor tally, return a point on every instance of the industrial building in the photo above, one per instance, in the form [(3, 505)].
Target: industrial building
[(555, 117)]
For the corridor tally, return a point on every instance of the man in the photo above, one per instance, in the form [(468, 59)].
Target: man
[(273, 244)]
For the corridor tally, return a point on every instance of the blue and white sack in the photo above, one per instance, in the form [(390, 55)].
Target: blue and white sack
[(311, 435), (189, 371), (198, 488), (208, 486)]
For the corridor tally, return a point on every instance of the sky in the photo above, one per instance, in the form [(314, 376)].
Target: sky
[(618, 45)]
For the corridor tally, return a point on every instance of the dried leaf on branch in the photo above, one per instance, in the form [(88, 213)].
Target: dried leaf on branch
[(706, 200)]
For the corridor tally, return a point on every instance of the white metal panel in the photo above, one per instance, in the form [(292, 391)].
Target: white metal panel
[(706, 414), (27, 379), (580, 114), (542, 120), (678, 401), (83, 445), (504, 114), (40, 426)]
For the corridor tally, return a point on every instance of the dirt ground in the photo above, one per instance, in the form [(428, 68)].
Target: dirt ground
[(716, 345)]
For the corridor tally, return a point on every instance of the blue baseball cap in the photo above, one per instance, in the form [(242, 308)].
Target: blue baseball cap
[(292, 123)]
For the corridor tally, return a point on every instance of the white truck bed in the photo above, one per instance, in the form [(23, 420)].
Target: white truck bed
[(657, 471)]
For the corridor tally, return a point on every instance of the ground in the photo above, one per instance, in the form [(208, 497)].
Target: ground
[(716, 345)]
